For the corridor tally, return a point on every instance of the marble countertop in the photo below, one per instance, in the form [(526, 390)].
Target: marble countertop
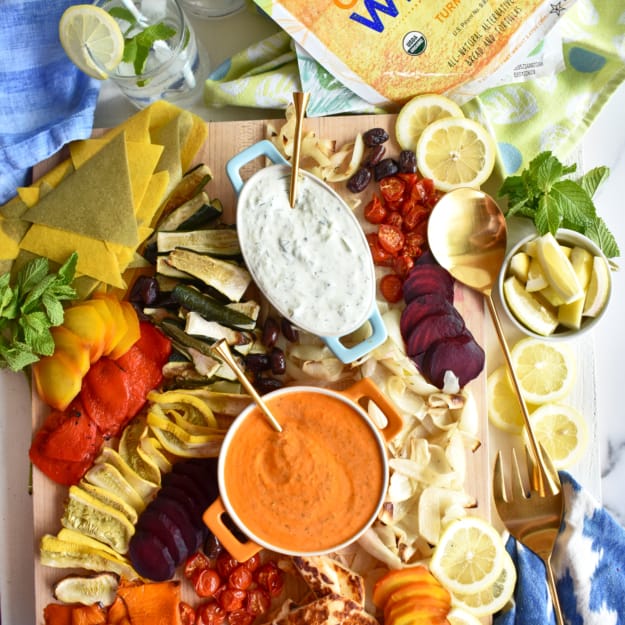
[(604, 144)]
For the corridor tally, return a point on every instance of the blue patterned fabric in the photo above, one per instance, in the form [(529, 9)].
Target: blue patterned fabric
[(588, 564), (45, 100)]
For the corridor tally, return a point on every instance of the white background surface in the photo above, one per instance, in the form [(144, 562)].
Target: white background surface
[(603, 145)]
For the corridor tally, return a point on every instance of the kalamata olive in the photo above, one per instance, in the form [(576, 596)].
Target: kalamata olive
[(289, 330), (374, 156), (277, 360), (359, 180), (407, 162), (264, 384), (257, 362), (386, 167), (145, 291), (271, 331), (375, 136)]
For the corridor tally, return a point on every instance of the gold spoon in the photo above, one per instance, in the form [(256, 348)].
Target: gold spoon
[(467, 235), (221, 347), (300, 102)]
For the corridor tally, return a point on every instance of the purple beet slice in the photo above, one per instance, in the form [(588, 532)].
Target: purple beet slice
[(193, 535), (187, 485), (150, 557), (156, 521), (419, 308), (203, 472), (433, 328), (192, 507), (460, 354), (427, 278)]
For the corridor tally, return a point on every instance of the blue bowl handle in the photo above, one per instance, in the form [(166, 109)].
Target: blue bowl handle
[(262, 148), (349, 354)]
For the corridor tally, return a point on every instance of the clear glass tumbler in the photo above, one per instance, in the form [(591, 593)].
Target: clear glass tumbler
[(168, 64), (212, 8)]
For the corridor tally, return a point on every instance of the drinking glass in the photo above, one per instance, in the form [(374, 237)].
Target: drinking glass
[(175, 68), (212, 8)]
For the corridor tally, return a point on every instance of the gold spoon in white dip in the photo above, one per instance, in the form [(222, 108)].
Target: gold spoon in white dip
[(221, 347), (300, 102)]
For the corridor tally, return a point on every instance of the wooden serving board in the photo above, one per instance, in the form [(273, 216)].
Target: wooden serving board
[(226, 139)]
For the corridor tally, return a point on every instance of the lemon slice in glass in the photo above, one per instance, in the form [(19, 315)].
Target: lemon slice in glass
[(546, 370), (504, 411), (493, 598), (456, 152), (469, 557), (562, 431), (418, 113), (92, 39)]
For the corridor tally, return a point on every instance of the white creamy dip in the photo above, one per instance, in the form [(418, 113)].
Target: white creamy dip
[(311, 261)]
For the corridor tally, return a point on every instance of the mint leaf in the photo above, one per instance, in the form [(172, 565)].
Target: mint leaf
[(593, 179), (575, 204), (547, 218), (599, 233)]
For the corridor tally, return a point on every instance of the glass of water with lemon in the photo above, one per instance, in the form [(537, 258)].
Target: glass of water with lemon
[(146, 47)]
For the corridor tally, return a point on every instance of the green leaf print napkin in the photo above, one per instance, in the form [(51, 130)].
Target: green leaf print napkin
[(554, 112)]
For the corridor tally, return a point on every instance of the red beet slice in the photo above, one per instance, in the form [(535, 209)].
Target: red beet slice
[(191, 533), (155, 520), (150, 557), (433, 328), (419, 308), (192, 507), (460, 354), (188, 486), (203, 472), (428, 278)]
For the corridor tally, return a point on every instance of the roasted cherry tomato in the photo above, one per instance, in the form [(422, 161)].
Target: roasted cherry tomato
[(414, 215), (269, 577), (187, 613), (392, 188), (241, 577), (210, 613), (240, 617), (375, 212), (402, 264), (226, 564), (254, 562), (394, 218), (378, 253), (391, 238), (232, 599), (414, 243), (195, 562), (258, 601), (391, 287), (206, 582)]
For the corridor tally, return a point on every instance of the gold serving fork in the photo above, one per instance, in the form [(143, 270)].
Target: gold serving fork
[(531, 516)]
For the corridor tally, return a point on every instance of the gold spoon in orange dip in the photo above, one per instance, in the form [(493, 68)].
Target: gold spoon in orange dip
[(221, 347)]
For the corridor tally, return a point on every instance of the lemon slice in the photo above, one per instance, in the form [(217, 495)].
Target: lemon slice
[(469, 556), (546, 371), (562, 431), (504, 411), (557, 269), (418, 113), (458, 616), (493, 598), (538, 316), (598, 288), (92, 39), (456, 152)]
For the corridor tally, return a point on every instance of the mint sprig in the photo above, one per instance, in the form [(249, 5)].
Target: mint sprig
[(29, 308), (137, 46), (545, 193)]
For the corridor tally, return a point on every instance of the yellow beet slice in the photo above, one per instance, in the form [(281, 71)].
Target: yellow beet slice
[(57, 380), (73, 346), (118, 319), (132, 334), (84, 321)]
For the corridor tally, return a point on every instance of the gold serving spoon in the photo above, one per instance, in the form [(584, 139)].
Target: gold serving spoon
[(300, 102), (221, 347), (467, 235)]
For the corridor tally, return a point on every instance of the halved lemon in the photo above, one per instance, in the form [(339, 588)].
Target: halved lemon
[(418, 113), (469, 557), (92, 39), (562, 431), (493, 598), (539, 316), (598, 288), (545, 370), (504, 411), (456, 152)]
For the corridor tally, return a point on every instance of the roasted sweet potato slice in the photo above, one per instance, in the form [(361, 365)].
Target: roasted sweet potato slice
[(433, 328)]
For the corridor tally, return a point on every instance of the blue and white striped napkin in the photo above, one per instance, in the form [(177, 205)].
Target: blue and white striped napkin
[(45, 100), (588, 564)]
